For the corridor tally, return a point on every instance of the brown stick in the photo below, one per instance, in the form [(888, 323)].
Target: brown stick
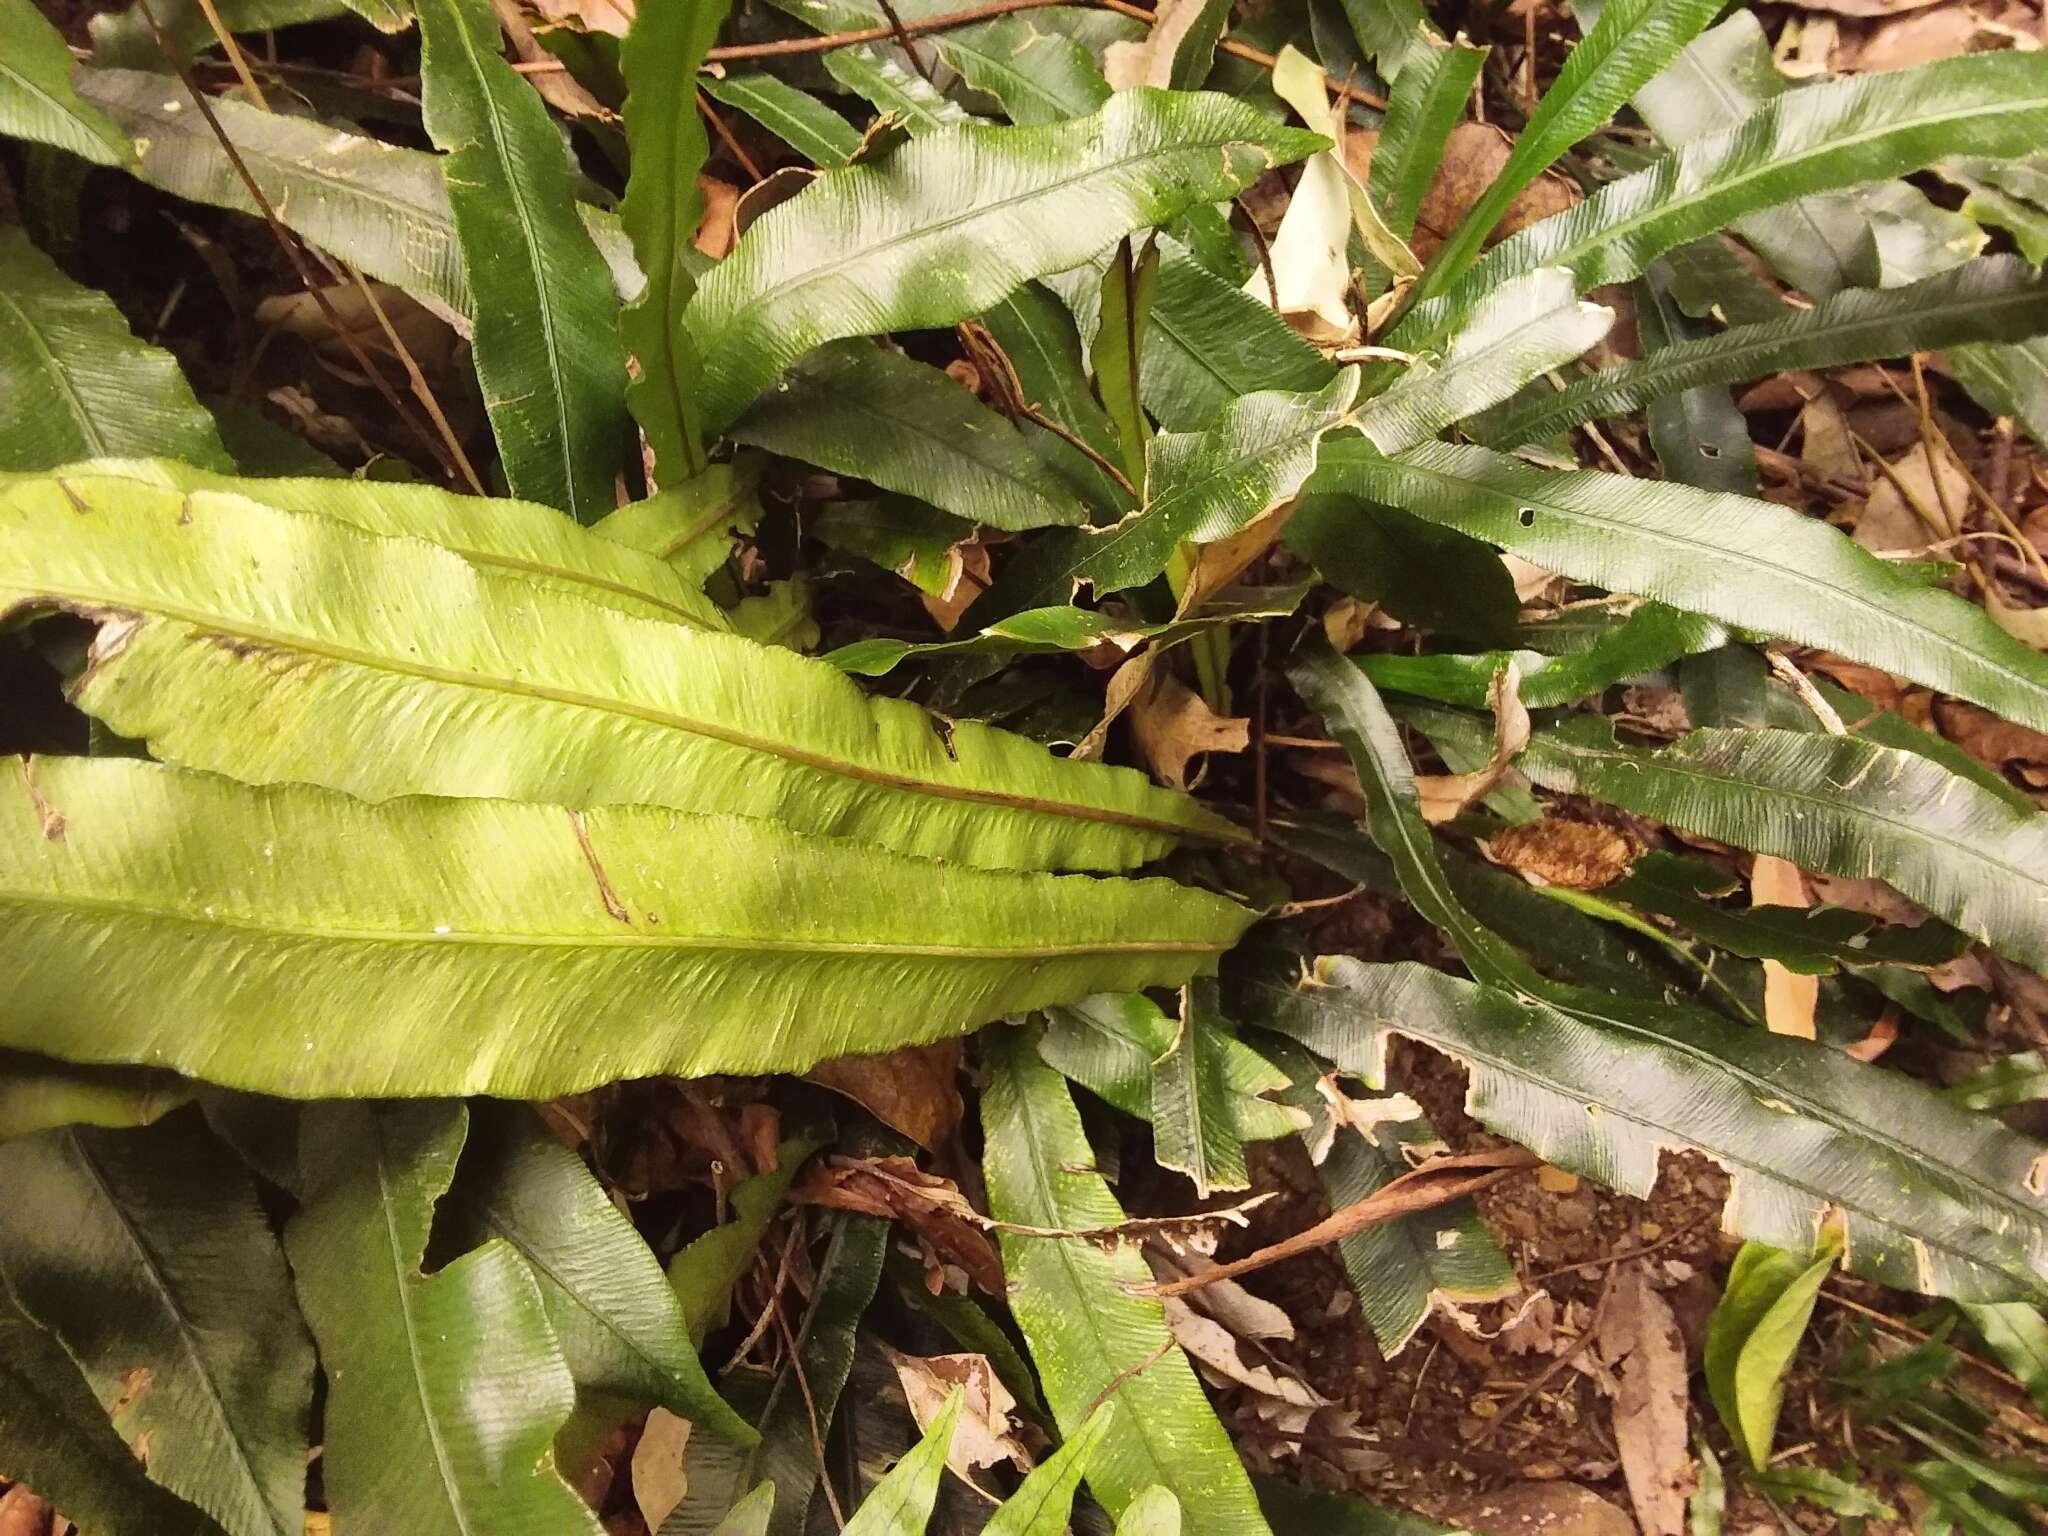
[(826, 42), (1434, 1184)]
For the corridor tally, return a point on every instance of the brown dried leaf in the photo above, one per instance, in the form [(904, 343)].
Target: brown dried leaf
[(1921, 508), (1445, 795), (558, 88), (612, 16), (1149, 60), (1789, 999), (946, 1226), (1639, 1335), (1472, 161), (983, 1436), (1173, 725), (719, 226), (659, 1480), (431, 342), (1576, 855), (910, 1090), (1538, 1509)]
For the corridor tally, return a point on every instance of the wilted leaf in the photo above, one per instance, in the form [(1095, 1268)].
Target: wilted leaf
[(911, 1090), (963, 1389), (947, 1228)]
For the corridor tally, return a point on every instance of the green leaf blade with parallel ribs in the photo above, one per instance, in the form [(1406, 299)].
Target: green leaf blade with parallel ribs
[(547, 341), (275, 646), (1935, 1199), (1734, 558), (38, 102), (951, 223), (77, 382), (624, 941), (444, 1391)]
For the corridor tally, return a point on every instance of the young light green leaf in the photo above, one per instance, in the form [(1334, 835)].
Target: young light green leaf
[(55, 1439), (1073, 629), (78, 383), (751, 1515), (1300, 82), (901, 1503), (796, 117), (861, 410), (660, 57), (1091, 1340), (1205, 486), (1435, 84), (1751, 1338), (1651, 637), (1743, 561), (1935, 1199), (703, 1273), (1155, 1512), (241, 972), (1706, 1509), (1129, 285), (1995, 298), (37, 99), (2021, 1078), (412, 1359), (1045, 1498), (37, 1094), (519, 538), (1632, 41), (547, 338), (215, 593), (620, 1325), (145, 1253), (1837, 804), (1044, 198), (380, 208), (1527, 327), (1837, 134), (691, 526)]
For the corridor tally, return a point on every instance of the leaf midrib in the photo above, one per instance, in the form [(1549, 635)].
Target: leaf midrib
[(212, 624), (1888, 617), (1601, 388), (147, 1261), (974, 211), (73, 404), (32, 901), (1620, 232)]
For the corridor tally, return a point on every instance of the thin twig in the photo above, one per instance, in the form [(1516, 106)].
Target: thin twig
[(1434, 1184), (718, 126), (803, 1385), (827, 42), (1802, 685), (1037, 417), (1907, 1330), (1551, 1372), (1127, 1373)]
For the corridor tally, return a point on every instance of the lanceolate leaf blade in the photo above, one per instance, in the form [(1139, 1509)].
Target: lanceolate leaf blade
[(617, 1318), (1530, 325), (379, 207), (1832, 803), (1996, 298), (1211, 343), (901, 1503), (1436, 84), (797, 118), (665, 137), (37, 1094), (1838, 134), (37, 98), (77, 382), (519, 538), (633, 940), (145, 1251), (1743, 561), (423, 674), (444, 1391), (1935, 1199), (1631, 42), (861, 410), (1091, 1341), (547, 339), (888, 246)]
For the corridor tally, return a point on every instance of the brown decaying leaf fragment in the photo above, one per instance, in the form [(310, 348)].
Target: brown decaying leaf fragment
[(947, 1228), (1789, 999), (1575, 855), (1639, 1338), (913, 1090), (984, 1434)]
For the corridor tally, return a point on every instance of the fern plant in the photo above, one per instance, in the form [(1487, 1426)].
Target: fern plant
[(402, 795)]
